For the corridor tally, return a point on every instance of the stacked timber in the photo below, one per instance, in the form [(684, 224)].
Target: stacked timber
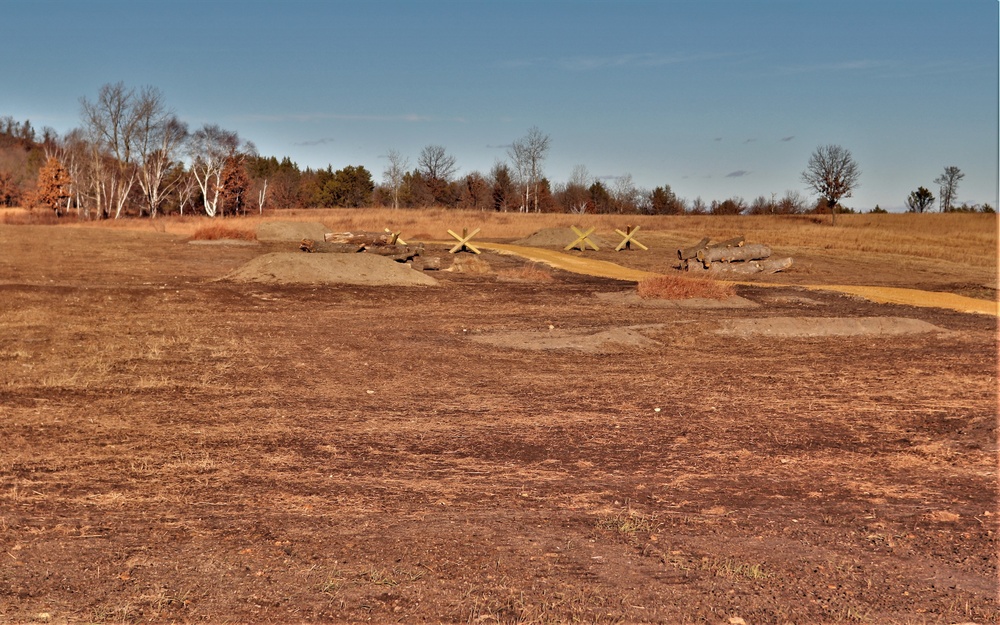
[(733, 256), (384, 244)]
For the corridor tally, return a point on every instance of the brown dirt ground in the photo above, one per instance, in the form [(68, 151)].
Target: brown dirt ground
[(175, 448)]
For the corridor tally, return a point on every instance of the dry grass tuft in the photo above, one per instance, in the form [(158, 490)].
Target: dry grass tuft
[(216, 231), (530, 272), (31, 218), (629, 523), (677, 287)]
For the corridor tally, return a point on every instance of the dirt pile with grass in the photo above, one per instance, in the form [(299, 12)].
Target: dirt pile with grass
[(299, 268)]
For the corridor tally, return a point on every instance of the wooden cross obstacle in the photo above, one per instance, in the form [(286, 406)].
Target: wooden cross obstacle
[(463, 242), (582, 240), (394, 237), (629, 239)]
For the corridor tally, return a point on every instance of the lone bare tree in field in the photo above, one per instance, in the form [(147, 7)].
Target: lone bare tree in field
[(833, 174), (948, 182)]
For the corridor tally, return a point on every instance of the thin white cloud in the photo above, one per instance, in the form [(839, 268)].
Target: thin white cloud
[(323, 141), (586, 63), (843, 66)]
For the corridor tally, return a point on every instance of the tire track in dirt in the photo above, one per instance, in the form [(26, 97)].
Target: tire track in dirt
[(877, 294)]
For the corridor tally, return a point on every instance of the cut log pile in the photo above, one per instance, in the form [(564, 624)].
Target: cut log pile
[(733, 256), (384, 244)]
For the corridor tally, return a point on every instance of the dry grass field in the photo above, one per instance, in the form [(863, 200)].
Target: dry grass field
[(516, 444)]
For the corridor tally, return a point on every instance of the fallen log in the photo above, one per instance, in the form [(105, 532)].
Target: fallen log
[(692, 252), (360, 238), (751, 267), (399, 253), (427, 263), (733, 242), (322, 247), (755, 251)]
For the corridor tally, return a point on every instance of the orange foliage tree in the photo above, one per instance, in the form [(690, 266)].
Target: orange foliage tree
[(234, 194), (53, 188)]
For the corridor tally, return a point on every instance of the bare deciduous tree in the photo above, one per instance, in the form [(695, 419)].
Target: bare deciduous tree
[(160, 140), (575, 195), (436, 164), (261, 196), (209, 148), (626, 195), (131, 138), (112, 123), (395, 173), (528, 153), (437, 168), (833, 174), (186, 185), (948, 185)]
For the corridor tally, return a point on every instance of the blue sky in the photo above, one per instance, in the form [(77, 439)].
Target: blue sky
[(717, 98)]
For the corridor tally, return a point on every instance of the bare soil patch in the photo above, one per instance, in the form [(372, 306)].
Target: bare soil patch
[(180, 448), (633, 299), (614, 339), (827, 326)]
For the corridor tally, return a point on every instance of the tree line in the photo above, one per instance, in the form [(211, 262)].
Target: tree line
[(132, 156), (922, 200)]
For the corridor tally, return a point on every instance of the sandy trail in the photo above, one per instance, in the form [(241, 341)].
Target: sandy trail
[(576, 264), (881, 295)]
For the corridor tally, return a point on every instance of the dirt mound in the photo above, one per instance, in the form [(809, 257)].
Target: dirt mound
[(801, 327), (587, 341), (299, 268), (558, 237), (290, 231)]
